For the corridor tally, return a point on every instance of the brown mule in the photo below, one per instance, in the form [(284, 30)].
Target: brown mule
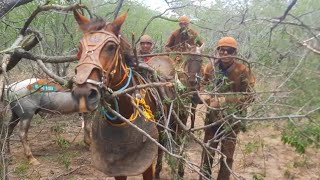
[(185, 72), (118, 149)]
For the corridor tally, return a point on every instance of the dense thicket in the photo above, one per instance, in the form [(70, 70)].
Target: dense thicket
[(282, 45)]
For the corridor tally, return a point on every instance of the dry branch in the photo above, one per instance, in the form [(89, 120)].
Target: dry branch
[(149, 85), (63, 82), (193, 54), (31, 38), (8, 5), (46, 59), (153, 140), (159, 16), (48, 8)]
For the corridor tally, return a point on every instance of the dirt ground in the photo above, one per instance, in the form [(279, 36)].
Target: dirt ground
[(57, 143)]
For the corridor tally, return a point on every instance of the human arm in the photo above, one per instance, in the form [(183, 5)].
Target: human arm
[(243, 91), (170, 43)]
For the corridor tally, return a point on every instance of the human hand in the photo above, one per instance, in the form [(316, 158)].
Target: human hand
[(217, 102), (205, 98)]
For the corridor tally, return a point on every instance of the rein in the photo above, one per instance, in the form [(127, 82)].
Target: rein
[(103, 109), (139, 101)]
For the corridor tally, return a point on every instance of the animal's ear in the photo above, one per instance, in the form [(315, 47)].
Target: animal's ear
[(82, 20), (117, 23)]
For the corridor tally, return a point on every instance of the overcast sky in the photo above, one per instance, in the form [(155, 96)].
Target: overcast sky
[(161, 5)]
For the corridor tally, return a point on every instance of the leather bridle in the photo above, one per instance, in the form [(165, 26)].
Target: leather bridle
[(92, 45)]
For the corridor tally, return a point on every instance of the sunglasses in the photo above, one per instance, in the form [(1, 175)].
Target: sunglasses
[(229, 50)]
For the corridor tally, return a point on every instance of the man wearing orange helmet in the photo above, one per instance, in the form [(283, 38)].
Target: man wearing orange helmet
[(227, 75), (146, 46), (181, 37)]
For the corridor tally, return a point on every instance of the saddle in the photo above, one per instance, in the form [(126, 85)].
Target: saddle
[(163, 65), (46, 85)]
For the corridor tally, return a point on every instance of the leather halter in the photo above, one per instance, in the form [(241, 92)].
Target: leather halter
[(92, 44)]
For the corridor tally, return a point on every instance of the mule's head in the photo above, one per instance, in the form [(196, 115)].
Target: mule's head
[(195, 49), (193, 65), (100, 63)]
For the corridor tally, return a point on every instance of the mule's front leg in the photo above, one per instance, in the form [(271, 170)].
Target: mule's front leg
[(24, 127), (149, 173), (12, 124), (193, 114)]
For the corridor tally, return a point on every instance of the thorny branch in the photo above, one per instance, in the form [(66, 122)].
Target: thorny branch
[(46, 59), (59, 59)]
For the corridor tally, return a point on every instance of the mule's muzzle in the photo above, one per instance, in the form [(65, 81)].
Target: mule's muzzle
[(88, 97)]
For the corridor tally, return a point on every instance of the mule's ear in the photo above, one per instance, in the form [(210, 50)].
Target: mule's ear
[(117, 23), (82, 20)]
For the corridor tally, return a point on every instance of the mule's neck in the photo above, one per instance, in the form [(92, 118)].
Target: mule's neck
[(62, 102), (122, 80)]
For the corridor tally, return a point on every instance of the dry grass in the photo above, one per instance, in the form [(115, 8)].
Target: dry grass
[(260, 154)]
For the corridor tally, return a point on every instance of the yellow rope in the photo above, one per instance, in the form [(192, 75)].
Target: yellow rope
[(146, 111), (135, 113)]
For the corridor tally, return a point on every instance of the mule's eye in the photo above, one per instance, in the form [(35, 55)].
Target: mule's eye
[(111, 47)]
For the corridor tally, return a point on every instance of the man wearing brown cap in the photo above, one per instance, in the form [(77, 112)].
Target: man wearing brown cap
[(227, 75), (146, 46), (181, 37)]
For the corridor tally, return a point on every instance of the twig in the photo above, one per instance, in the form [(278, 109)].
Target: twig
[(133, 88), (47, 8), (158, 16), (58, 79), (153, 140), (194, 54), (142, 113), (285, 117), (141, 131)]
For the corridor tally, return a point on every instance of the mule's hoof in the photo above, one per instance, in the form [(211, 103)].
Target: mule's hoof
[(34, 162)]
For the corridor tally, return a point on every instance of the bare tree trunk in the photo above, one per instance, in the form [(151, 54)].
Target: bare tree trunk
[(117, 10), (3, 132), (8, 5)]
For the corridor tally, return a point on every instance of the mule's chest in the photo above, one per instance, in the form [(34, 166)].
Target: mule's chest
[(123, 151)]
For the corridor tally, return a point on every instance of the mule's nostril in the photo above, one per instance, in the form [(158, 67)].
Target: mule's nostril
[(93, 94)]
